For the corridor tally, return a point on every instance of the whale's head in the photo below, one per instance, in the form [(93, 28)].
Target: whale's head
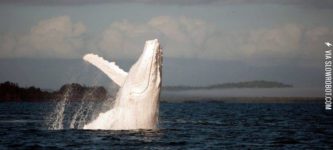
[(136, 105), (145, 75)]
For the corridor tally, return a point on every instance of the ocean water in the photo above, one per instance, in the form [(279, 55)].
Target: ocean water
[(188, 125)]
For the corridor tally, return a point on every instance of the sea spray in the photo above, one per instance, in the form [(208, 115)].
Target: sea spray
[(80, 114), (85, 110), (57, 117), (74, 114), (70, 112)]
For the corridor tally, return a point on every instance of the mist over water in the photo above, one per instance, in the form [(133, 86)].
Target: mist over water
[(250, 92)]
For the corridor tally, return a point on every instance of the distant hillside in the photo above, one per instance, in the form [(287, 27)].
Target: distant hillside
[(13, 92), (247, 84)]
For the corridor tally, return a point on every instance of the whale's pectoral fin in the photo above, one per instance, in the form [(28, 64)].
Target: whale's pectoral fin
[(109, 68)]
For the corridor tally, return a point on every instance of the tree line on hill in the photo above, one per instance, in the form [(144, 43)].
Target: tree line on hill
[(246, 84), (13, 92)]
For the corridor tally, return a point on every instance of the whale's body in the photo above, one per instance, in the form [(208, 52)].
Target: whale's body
[(137, 103)]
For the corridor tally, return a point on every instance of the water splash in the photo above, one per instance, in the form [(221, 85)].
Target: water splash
[(84, 112), (80, 114), (57, 117), (74, 114), (69, 114)]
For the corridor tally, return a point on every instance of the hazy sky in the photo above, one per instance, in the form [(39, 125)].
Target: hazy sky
[(259, 33)]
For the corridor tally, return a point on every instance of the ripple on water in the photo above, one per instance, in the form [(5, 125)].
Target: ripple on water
[(182, 125)]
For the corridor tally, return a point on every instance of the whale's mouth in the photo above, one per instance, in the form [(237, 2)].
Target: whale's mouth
[(150, 60)]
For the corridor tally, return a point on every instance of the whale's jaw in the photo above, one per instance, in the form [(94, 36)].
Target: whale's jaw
[(137, 102)]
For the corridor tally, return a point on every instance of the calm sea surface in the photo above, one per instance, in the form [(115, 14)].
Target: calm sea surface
[(200, 125)]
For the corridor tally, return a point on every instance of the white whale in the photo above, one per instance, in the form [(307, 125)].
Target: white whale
[(137, 103)]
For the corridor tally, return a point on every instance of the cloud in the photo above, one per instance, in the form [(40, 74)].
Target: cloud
[(194, 38), (54, 37), (183, 37), (282, 44), (123, 39), (304, 3), (269, 42), (313, 41)]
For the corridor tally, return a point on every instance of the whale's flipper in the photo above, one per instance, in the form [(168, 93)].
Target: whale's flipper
[(109, 68)]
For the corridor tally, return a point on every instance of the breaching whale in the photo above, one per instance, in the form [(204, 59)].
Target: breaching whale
[(137, 102)]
